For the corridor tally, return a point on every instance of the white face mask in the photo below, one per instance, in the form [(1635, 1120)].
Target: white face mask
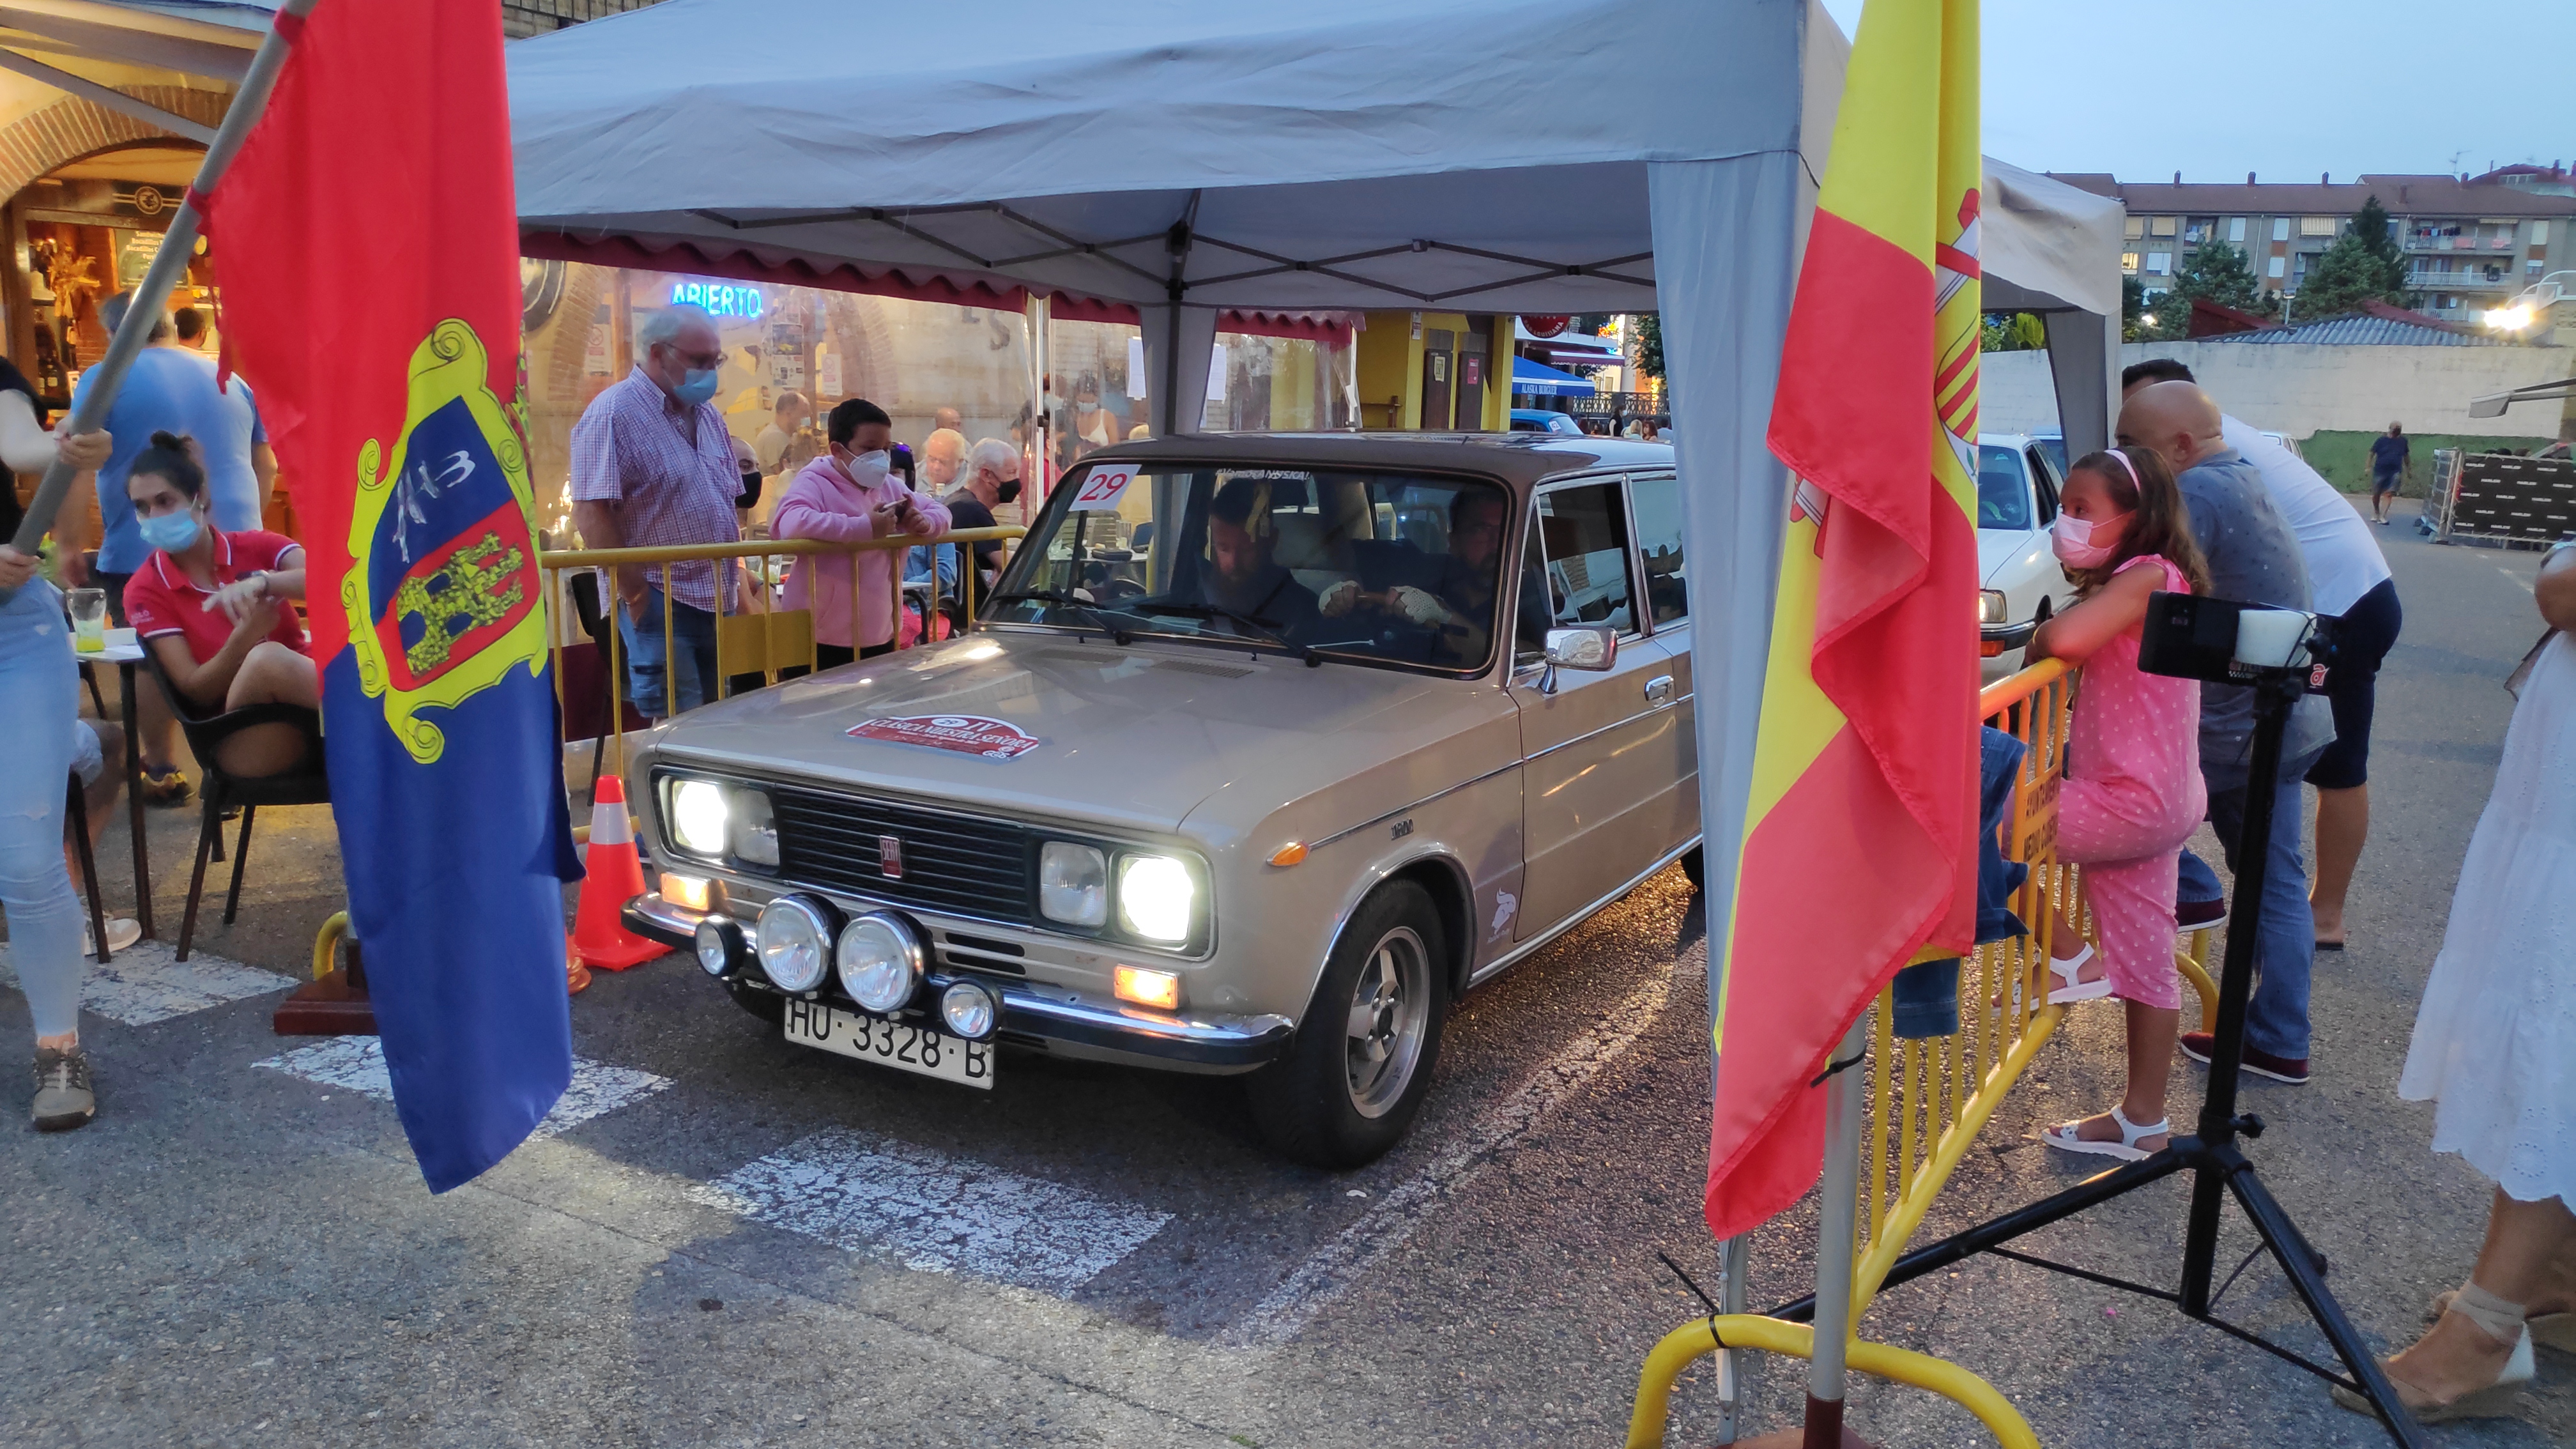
[(865, 469)]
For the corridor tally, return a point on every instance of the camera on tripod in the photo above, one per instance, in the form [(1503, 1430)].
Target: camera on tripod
[(2221, 641)]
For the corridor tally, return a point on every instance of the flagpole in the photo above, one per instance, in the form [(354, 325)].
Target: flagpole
[(1835, 1236), (177, 244)]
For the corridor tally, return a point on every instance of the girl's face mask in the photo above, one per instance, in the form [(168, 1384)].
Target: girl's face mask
[(2086, 545)]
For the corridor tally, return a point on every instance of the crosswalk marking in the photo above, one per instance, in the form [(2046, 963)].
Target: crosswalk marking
[(146, 982), (357, 1064), (934, 1213)]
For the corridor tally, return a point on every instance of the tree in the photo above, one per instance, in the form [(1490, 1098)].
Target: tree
[(2363, 265), (2012, 332), (2133, 306), (1650, 344), (2216, 273)]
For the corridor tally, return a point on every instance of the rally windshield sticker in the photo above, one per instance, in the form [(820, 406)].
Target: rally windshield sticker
[(965, 734)]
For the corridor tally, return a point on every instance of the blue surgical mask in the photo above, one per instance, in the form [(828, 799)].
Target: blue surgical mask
[(697, 386), (170, 532)]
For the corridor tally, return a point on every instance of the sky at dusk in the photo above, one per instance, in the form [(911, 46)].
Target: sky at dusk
[(2283, 88)]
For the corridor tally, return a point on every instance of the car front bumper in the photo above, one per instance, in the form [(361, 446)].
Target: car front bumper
[(1201, 1040), (1995, 640)]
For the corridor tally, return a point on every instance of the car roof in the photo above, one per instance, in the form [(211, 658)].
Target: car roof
[(1521, 458)]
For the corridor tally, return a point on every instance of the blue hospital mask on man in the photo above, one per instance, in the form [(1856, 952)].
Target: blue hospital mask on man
[(696, 386)]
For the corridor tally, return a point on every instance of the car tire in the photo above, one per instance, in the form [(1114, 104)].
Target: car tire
[(769, 1006), (1695, 866), (1340, 1098)]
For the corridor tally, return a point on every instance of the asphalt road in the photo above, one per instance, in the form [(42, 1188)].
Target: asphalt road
[(725, 1239)]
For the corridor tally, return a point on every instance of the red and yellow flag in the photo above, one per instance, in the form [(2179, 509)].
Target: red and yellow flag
[(1859, 835)]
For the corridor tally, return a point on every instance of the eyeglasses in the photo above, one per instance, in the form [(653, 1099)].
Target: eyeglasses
[(696, 359)]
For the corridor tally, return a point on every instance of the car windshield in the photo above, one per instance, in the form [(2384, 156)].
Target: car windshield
[(2003, 492), (1356, 566)]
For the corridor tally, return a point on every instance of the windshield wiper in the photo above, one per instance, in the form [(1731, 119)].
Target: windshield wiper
[(1064, 600), (1261, 632)]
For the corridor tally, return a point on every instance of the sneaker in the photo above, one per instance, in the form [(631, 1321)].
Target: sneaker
[(2197, 1045), (122, 932), (63, 1096), (2192, 915), (164, 787)]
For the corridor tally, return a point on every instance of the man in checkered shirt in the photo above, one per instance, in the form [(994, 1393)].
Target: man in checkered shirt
[(653, 467)]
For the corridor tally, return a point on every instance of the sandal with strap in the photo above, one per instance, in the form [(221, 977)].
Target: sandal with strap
[(2070, 985), (2495, 1401), (2063, 1137), (2549, 1330)]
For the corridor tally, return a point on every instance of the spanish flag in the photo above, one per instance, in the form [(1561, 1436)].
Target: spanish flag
[(1858, 846)]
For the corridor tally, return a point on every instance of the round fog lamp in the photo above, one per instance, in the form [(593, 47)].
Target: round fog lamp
[(969, 1010), (796, 942), (718, 943), (880, 960)]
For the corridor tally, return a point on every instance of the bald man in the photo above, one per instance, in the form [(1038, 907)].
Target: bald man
[(949, 420), (2254, 559)]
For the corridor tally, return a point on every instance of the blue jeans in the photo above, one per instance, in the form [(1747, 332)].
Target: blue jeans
[(39, 717), (2285, 941), (691, 675)]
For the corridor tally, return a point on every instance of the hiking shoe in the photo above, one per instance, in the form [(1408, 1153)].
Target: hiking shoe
[(163, 787), (63, 1096), (2197, 1045)]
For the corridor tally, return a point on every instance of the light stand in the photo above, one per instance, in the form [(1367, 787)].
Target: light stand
[(2211, 1155)]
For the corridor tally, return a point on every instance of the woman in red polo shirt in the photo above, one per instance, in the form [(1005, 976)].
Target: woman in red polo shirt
[(217, 609)]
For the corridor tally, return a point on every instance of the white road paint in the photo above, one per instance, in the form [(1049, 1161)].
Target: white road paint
[(1378, 1233), (146, 983), (934, 1213), (2519, 581), (357, 1064)]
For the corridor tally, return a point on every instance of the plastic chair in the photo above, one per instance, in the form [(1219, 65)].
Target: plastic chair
[(306, 784)]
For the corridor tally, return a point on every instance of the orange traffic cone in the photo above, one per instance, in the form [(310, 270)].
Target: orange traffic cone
[(614, 877)]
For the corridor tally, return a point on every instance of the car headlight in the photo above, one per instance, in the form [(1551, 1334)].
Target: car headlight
[(880, 962), (1156, 897), (1073, 884), (969, 1009), (796, 941), (698, 816), (1992, 608), (755, 830)]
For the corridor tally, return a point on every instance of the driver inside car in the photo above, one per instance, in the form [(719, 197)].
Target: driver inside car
[(1241, 577)]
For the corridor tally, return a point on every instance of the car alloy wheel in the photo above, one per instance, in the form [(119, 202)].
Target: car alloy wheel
[(1390, 1005)]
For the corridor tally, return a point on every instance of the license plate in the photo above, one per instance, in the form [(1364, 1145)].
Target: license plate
[(923, 1049)]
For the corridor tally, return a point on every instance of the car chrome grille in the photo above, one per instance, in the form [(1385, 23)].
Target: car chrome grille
[(958, 863)]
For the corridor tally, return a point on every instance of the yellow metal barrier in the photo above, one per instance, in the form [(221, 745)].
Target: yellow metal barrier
[(1927, 1099), (762, 641), (325, 940)]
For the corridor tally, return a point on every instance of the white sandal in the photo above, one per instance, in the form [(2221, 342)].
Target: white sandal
[(122, 932), (2062, 1136), (2071, 987)]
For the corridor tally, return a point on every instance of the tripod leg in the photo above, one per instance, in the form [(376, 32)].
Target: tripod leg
[(2299, 1263)]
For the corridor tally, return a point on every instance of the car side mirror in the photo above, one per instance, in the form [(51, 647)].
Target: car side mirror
[(1588, 647)]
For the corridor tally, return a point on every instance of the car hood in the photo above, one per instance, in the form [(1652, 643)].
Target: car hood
[(2002, 553), (1133, 736)]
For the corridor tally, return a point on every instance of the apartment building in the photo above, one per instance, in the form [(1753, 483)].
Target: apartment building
[(2469, 242)]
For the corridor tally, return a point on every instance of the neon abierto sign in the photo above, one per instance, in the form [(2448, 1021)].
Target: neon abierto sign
[(720, 299)]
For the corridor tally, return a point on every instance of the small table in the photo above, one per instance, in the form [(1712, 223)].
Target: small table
[(125, 652)]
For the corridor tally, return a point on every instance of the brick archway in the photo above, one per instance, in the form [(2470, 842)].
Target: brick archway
[(72, 128)]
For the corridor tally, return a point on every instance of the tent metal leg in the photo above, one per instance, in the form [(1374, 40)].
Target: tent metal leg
[(1834, 1241)]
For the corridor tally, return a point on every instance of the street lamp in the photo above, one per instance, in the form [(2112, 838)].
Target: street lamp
[(2528, 305)]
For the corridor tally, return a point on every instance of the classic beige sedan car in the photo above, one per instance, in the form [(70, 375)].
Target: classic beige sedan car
[(1267, 748)]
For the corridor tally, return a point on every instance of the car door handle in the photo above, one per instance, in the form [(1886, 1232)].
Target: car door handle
[(1659, 690)]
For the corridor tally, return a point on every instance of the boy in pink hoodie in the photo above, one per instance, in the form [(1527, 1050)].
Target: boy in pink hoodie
[(844, 496)]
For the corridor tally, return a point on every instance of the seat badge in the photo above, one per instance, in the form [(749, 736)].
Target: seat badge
[(890, 856)]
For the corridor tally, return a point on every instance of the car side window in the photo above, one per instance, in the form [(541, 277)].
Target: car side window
[(1582, 537), (1657, 500), (2044, 474)]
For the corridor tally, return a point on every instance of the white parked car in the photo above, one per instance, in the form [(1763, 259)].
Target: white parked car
[(2022, 582)]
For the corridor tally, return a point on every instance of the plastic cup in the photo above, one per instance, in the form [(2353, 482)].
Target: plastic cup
[(89, 619)]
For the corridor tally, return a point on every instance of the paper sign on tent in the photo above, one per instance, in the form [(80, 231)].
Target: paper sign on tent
[(1102, 487)]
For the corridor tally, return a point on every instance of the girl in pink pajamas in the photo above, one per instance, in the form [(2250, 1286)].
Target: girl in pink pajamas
[(2132, 792)]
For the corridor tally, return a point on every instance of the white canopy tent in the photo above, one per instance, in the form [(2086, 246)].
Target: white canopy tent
[(1188, 156)]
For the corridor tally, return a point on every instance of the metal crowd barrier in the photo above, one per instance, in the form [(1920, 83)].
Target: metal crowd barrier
[(760, 641), (1926, 1100)]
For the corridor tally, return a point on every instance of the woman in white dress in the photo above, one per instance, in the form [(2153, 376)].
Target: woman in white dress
[(2495, 1047)]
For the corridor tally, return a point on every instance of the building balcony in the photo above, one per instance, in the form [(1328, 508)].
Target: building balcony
[(2456, 244), (2462, 282)]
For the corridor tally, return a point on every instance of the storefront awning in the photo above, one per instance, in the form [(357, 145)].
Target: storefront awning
[(1540, 380)]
